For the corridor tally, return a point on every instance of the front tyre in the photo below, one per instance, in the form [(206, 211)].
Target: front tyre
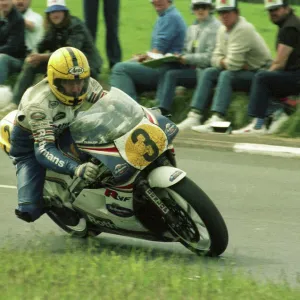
[(213, 235)]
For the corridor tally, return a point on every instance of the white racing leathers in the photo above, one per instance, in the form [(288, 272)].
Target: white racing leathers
[(41, 118)]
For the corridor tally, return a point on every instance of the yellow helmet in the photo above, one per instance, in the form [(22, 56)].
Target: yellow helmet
[(67, 64)]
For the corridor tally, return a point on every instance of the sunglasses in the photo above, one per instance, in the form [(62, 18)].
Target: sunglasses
[(274, 9), (201, 6)]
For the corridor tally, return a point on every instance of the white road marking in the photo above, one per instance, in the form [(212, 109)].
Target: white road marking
[(267, 149), (8, 186)]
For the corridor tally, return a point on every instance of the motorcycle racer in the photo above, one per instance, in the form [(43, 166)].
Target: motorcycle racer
[(46, 109)]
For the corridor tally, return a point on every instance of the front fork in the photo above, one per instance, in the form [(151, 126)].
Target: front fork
[(148, 195)]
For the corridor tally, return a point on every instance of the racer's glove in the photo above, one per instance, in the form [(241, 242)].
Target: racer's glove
[(87, 171)]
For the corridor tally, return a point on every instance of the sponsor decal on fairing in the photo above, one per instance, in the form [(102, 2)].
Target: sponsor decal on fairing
[(175, 175), (102, 222), (119, 211), (113, 194), (170, 129), (120, 169)]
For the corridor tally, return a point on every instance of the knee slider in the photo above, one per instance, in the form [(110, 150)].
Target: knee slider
[(25, 216)]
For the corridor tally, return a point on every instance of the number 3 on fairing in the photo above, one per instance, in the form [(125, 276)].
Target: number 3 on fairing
[(147, 142), (5, 138)]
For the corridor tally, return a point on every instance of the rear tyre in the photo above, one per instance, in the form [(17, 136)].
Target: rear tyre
[(204, 214)]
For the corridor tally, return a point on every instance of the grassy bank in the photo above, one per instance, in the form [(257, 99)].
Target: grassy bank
[(106, 274), (136, 23)]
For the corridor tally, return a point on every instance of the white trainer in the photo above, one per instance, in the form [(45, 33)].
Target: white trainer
[(206, 127), (192, 119), (249, 129), (245, 129), (277, 122)]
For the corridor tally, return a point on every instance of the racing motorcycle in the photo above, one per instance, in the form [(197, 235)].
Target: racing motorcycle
[(139, 191)]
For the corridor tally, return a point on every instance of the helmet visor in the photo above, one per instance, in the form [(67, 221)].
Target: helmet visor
[(73, 88)]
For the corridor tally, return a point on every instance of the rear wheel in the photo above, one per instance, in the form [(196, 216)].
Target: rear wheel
[(201, 227)]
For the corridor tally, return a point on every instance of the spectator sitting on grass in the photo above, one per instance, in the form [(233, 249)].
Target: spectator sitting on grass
[(199, 45), (62, 30), (12, 41), (239, 53), (167, 37), (283, 77)]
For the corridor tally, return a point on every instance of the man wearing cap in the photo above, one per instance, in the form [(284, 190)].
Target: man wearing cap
[(199, 45), (12, 40), (62, 29), (283, 77), (167, 37), (240, 52)]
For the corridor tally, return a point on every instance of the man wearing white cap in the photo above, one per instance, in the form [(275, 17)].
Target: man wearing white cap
[(199, 45), (283, 77), (62, 29), (240, 52)]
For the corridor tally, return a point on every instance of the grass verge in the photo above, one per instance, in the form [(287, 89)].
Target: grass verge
[(109, 274)]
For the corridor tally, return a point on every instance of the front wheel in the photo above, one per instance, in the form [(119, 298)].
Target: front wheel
[(207, 232)]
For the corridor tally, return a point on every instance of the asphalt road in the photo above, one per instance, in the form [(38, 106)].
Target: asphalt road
[(259, 197)]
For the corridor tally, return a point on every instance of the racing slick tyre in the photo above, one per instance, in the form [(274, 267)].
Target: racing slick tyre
[(204, 230)]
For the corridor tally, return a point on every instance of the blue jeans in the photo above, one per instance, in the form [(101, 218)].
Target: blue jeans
[(8, 66), (267, 85), (184, 76), (226, 82), (30, 184), (30, 174), (130, 76)]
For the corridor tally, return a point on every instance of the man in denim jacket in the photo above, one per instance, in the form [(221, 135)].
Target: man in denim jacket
[(167, 37)]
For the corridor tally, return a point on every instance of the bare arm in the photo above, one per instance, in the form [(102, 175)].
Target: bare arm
[(283, 53), (29, 25)]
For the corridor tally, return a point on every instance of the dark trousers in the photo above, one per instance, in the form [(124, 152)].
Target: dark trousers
[(26, 79), (267, 85), (111, 17)]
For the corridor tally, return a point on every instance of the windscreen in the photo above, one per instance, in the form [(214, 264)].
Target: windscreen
[(109, 118)]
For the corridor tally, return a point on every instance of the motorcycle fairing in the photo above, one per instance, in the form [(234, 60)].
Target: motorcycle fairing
[(164, 123), (6, 126), (111, 158), (94, 203), (143, 144)]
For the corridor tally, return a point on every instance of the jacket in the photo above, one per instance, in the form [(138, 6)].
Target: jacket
[(239, 46), (75, 35), (40, 119), (12, 35), (202, 39)]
